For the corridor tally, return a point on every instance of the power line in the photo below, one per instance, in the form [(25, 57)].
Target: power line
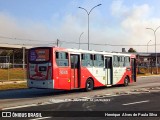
[(28, 44), (105, 44), (67, 42), (23, 39)]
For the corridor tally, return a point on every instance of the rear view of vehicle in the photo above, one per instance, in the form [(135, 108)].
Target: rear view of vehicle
[(39, 68), (68, 69)]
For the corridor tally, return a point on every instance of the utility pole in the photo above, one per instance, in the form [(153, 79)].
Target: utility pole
[(57, 42), (24, 63)]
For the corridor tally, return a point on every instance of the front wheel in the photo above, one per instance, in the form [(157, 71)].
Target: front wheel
[(89, 84), (126, 81)]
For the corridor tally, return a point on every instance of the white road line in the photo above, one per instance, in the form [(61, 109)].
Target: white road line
[(42, 118), (31, 105), (84, 98), (19, 107), (136, 102), (114, 95)]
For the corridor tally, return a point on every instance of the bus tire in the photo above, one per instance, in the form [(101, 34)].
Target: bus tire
[(126, 81), (89, 84)]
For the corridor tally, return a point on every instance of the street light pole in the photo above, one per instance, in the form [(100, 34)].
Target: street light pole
[(155, 45), (88, 13), (148, 60), (80, 39), (147, 45)]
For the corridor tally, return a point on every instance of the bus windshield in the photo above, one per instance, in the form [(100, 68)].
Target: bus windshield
[(39, 55)]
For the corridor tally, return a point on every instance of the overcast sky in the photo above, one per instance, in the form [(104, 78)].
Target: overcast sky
[(115, 22)]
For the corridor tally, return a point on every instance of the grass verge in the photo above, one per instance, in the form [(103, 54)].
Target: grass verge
[(12, 74), (13, 86)]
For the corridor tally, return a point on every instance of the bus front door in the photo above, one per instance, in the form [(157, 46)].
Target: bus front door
[(75, 71), (108, 70)]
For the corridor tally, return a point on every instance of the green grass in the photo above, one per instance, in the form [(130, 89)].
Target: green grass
[(12, 74), (13, 86)]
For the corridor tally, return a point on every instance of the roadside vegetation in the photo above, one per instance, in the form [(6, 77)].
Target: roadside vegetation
[(13, 86), (12, 78), (12, 74)]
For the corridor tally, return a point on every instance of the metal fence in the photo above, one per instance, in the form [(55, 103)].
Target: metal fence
[(148, 69), (8, 71)]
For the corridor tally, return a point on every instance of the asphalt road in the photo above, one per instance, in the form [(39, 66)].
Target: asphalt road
[(138, 102), (143, 95), (11, 98)]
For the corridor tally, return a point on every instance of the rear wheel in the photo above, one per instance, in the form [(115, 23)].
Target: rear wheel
[(126, 81), (89, 84)]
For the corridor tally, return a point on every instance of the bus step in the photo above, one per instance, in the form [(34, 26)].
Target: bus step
[(108, 85)]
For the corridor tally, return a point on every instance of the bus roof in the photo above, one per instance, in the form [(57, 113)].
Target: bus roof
[(89, 51), (97, 52)]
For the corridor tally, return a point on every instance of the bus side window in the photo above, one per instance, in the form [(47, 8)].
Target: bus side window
[(127, 61), (62, 59), (121, 61), (99, 61), (115, 61), (90, 61), (95, 62), (87, 60)]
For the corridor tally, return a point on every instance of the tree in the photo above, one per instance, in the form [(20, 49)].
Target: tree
[(131, 50), (6, 53)]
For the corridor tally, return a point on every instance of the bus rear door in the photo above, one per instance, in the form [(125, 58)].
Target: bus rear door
[(109, 70)]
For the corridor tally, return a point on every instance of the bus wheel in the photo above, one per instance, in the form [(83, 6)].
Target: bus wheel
[(89, 84), (126, 81)]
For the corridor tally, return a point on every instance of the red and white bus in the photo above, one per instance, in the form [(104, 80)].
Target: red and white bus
[(67, 69)]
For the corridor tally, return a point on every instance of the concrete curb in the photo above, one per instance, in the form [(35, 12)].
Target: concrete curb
[(11, 82), (148, 76)]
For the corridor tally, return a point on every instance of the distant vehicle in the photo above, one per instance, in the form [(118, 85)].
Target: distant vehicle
[(67, 69)]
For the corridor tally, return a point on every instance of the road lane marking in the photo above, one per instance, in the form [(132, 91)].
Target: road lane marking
[(136, 102), (134, 93), (19, 107), (31, 105), (114, 95), (84, 98), (42, 118), (38, 104)]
